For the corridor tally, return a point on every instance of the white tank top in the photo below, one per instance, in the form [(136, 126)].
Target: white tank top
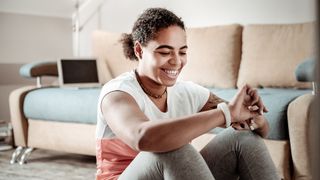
[(183, 98)]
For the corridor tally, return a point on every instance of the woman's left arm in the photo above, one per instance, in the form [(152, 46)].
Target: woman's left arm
[(260, 124)]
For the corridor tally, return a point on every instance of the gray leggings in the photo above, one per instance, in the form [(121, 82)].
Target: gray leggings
[(230, 155)]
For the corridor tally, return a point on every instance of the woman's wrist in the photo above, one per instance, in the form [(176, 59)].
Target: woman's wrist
[(231, 109), (226, 112)]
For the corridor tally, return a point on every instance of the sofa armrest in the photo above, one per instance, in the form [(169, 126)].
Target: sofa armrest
[(18, 120), (299, 126), (36, 69)]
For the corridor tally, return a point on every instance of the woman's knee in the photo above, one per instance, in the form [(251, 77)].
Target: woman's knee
[(250, 141), (241, 137), (183, 163), (245, 144), (185, 153), (232, 141)]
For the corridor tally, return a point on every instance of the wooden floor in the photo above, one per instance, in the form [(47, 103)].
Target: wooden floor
[(45, 164)]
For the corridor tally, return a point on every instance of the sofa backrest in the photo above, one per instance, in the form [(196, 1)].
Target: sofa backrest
[(226, 56), (213, 55), (108, 51), (270, 54)]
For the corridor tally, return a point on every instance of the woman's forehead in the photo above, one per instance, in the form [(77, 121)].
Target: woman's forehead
[(173, 36)]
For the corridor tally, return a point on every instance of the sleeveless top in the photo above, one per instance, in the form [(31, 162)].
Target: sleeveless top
[(113, 155)]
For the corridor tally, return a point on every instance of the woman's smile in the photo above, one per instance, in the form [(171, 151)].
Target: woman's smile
[(171, 73)]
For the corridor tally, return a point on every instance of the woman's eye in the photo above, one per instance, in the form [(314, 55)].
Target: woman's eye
[(164, 53)]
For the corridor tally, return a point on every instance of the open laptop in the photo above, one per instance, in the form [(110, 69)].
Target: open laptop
[(80, 73)]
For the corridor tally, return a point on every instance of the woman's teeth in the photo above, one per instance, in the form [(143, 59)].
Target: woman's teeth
[(171, 72)]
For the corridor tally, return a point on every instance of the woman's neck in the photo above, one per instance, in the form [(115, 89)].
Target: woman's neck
[(151, 88)]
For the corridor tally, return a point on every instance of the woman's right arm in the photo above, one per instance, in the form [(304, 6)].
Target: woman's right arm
[(130, 124)]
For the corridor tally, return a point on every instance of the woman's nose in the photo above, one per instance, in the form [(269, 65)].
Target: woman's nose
[(175, 59)]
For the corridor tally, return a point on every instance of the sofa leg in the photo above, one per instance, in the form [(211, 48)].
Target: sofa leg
[(16, 154), (25, 155)]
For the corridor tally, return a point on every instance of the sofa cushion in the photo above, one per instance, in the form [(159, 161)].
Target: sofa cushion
[(213, 56), (109, 52), (80, 106), (270, 54), (62, 104), (276, 100)]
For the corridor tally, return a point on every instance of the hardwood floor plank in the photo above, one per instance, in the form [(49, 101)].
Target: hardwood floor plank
[(46, 164)]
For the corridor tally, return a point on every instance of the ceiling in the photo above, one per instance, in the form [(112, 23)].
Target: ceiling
[(54, 8)]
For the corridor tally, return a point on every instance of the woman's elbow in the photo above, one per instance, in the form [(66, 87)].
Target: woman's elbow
[(140, 139), (145, 140)]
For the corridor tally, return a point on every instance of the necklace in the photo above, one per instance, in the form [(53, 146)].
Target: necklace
[(146, 90)]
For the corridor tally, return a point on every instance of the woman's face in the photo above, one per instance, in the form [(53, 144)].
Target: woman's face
[(164, 57)]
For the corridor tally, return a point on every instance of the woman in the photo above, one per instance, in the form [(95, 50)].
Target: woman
[(146, 118)]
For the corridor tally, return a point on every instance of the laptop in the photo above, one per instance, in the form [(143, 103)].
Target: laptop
[(79, 73)]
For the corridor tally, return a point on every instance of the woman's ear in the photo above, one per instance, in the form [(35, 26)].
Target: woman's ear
[(138, 49)]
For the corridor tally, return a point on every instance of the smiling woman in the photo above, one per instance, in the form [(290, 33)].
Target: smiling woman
[(162, 59), (151, 116)]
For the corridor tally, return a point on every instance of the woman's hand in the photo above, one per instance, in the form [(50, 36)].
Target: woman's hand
[(258, 124), (246, 104), (255, 123)]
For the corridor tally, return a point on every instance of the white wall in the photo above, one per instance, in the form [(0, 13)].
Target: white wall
[(25, 39), (119, 15)]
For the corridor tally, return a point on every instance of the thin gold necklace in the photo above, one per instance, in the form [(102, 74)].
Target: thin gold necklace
[(146, 90)]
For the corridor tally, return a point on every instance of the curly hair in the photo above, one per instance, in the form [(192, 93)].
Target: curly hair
[(146, 27)]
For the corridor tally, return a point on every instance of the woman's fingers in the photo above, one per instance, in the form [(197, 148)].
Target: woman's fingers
[(251, 124), (240, 126), (246, 104), (256, 100), (253, 93), (242, 92), (239, 99), (253, 108), (261, 107), (258, 107)]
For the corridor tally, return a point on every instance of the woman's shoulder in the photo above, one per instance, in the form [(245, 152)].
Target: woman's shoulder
[(124, 78), (124, 81)]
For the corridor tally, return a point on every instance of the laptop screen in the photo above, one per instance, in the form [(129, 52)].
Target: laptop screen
[(78, 72)]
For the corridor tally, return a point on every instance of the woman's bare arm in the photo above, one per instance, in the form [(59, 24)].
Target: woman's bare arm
[(212, 102), (130, 124)]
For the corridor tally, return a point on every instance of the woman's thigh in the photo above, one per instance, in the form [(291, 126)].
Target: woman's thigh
[(184, 163)]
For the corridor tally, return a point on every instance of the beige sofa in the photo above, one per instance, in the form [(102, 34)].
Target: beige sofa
[(220, 56)]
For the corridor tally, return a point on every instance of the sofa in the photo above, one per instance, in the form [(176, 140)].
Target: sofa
[(221, 58)]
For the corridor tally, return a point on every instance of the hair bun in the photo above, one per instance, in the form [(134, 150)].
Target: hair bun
[(128, 45)]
